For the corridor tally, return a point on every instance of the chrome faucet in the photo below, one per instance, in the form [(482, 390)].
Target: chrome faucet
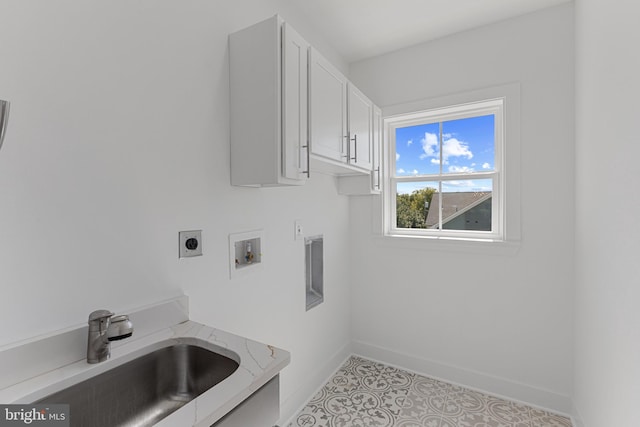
[(104, 327)]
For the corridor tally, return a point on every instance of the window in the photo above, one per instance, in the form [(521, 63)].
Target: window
[(445, 172)]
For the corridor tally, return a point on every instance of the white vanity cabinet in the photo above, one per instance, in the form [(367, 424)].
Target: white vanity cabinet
[(269, 105)]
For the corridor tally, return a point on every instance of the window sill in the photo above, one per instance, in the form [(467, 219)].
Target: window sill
[(451, 244)]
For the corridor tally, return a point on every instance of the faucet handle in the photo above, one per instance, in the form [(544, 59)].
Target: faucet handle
[(99, 314)]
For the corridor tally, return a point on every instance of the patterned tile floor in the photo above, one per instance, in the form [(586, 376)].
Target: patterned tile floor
[(369, 394)]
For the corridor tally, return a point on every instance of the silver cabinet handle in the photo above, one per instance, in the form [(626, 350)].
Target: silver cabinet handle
[(378, 175), (308, 171), (4, 118), (355, 148)]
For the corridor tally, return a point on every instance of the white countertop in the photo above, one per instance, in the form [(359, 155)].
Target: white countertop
[(258, 363)]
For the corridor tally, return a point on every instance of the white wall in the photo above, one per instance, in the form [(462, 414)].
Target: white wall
[(500, 322), (118, 139), (607, 373)]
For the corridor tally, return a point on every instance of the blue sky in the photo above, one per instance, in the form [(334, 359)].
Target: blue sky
[(468, 146)]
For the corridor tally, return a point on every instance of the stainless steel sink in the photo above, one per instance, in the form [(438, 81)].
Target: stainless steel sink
[(145, 390)]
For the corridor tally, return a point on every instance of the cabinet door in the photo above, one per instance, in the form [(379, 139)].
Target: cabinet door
[(328, 109), (360, 129), (376, 174), (295, 147)]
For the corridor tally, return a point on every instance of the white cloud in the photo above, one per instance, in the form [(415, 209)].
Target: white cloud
[(455, 148), (460, 169), (464, 185), (486, 166), (397, 156), (451, 147), (429, 145), (404, 172), (409, 142), (458, 185)]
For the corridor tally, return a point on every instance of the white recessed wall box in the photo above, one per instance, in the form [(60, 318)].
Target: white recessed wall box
[(245, 252)]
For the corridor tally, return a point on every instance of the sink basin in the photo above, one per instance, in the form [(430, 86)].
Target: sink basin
[(145, 390)]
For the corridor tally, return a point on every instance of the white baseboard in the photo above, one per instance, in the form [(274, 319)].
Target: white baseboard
[(298, 400), (576, 420), (488, 384)]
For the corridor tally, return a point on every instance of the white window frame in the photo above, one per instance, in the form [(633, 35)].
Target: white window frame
[(504, 103)]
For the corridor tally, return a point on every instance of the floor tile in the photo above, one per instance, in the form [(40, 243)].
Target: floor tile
[(364, 393)]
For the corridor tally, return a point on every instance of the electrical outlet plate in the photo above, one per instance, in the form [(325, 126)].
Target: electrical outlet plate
[(298, 230), (190, 243)]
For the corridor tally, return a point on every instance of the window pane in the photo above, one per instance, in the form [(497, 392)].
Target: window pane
[(418, 150), (413, 204), (468, 145), (466, 205)]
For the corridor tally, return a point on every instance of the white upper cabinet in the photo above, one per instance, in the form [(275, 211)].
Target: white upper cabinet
[(360, 128), (328, 109), (340, 121), (269, 105), (372, 183), (295, 61), (292, 111)]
